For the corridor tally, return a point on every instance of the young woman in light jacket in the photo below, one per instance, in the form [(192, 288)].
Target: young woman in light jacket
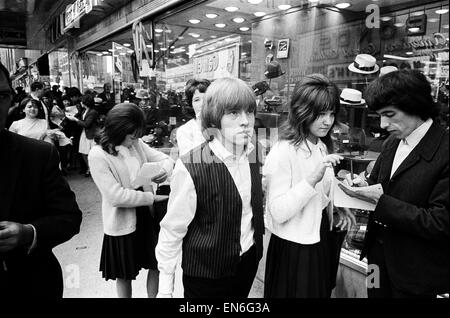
[(130, 231), (299, 175)]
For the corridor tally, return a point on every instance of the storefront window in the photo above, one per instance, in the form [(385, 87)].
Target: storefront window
[(271, 44), (60, 71)]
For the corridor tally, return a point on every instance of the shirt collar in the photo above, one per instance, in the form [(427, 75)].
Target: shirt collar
[(308, 146), (223, 154), (416, 136)]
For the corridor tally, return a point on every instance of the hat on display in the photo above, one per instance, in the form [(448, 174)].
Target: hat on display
[(364, 64), (273, 70), (387, 69), (142, 94), (260, 88), (350, 96)]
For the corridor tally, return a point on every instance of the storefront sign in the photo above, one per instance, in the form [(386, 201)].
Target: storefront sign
[(217, 64), (283, 49), (76, 10)]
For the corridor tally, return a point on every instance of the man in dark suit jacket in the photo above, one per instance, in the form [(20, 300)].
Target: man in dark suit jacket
[(38, 211), (408, 233)]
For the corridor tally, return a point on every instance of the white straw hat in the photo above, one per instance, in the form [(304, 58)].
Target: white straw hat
[(350, 96), (387, 69), (364, 64)]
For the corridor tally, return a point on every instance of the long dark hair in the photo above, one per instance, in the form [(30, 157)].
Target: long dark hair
[(122, 120), (312, 95)]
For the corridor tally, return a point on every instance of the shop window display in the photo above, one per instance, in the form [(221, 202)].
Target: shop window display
[(271, 45)]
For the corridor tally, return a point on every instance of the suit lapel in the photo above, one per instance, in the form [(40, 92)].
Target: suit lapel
[(388, 159), (10, 159), (426, 149)]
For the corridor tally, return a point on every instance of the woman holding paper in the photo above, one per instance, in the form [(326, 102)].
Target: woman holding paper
[(299, 201), (130, 231)]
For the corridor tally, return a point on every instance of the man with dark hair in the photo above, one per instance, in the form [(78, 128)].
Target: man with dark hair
[(37, 92), (107, 99), (38, 211), (407, 239)]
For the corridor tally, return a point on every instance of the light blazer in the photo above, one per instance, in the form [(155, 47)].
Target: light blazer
[(32, 190), (415, 208)]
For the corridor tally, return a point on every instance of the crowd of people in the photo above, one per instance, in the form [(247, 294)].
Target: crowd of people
[(224, 194)]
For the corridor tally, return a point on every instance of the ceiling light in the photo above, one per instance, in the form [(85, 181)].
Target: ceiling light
[(105, 52), (399, 24), (99, 54), (414, 29), (180, 37), (284, 6), (259, 14), (213, 36), (343, 5), (194, 21), (313, 1), (172, 47), (220, 25), (211, 48), (385, 18), (194, 35), (156, 51), (168, 31), (127, 44), (163, 49), (433, 20), (231, 9), (441, 11), (417, 13), (122, 53), (160, 43), (238, 20), (211, 15), (249, 41), (111, 50), (409, 53), (200, 40), (445, 26), (244, 29), (159, 30), (255, 1)]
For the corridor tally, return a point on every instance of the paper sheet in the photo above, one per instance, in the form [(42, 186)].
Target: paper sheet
[(146, 173), (341, 199)]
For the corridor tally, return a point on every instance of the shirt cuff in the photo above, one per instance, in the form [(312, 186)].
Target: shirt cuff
[(166, 282), (33, 243)]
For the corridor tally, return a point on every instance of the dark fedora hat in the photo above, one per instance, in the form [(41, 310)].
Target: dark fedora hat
[(260, 88), (273, 70)]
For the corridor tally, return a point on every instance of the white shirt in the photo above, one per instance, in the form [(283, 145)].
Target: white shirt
[(409, 143), (189, 136), (182, 206), (43, 106), (293, 207)]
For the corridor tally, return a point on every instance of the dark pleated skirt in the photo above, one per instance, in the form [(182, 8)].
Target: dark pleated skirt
[(124, 256), (296, 270)]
